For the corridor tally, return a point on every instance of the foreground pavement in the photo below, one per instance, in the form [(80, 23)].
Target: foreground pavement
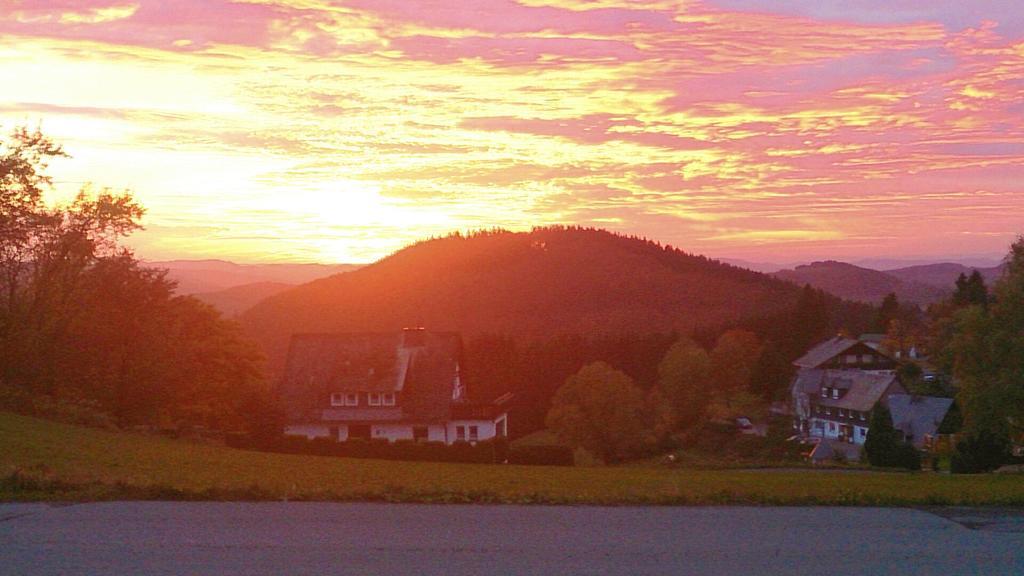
[(155, 538)]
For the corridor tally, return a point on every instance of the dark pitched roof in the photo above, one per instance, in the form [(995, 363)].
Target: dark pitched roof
[(819, 355), (825, 351), (422, 372), (808, 381), (863, 389), (918, 416)]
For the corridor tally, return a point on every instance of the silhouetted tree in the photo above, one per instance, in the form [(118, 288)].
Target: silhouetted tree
[(884, 447), (971, 291), (684, 378), (733, 362), (887, 313), (82, 319), (601, 410)]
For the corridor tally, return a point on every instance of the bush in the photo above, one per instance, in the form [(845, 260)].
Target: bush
[(541, 455), (980, 451), (485, 452), (906, 456)]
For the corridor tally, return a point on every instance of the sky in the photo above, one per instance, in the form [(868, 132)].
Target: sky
[(341, 130)]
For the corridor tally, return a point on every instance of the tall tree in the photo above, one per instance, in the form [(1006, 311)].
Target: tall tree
[(23, 162), (684, 380), (985, 350), (882, 443), (733, 362), (971, 290), (601, 410), (887, 313), (82, 319)]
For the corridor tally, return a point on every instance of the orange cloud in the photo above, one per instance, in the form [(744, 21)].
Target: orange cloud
[(329, 130)]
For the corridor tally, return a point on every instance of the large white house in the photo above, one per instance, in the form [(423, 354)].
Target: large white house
[(396, 386), (837, 385)]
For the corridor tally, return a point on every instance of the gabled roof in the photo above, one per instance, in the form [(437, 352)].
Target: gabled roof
[(825, 351), (819, 355), (808, 381), (421, 367), (918, 416), (863, 389)]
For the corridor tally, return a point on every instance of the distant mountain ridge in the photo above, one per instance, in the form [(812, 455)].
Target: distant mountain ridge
[(237, 299), (207, 276), (920, 284), (944, 275)]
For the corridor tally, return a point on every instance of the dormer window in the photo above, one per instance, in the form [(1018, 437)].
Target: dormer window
[(373, 399), (387, 398)]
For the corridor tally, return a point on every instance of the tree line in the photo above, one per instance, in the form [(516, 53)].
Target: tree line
[(85, 324)]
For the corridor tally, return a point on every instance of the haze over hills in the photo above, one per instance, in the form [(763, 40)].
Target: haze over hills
[(921, 284), (237, 299), (205, 276), (856, 283), (532, 284), (944, 275)]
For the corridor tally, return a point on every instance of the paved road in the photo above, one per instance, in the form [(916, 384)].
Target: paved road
[(319, 539)]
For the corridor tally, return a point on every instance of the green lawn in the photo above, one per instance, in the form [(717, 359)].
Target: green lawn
[(41, 460)]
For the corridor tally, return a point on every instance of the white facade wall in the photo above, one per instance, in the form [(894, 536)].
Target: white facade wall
[(310, 432), (485, 430), (391, 432), (860, 434), (821, 428), (447, 432), (436, 433)]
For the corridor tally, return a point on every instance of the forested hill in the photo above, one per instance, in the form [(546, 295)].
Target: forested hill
[(527, 284)]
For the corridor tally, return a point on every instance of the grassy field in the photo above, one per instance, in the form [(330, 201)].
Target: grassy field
[(42, 460)]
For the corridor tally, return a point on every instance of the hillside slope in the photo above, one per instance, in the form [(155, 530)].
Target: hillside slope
[(861, 284), (943, 275), (204, 276), (537, 284), (232, 301)]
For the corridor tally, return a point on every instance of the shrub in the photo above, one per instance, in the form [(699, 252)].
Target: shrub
[(484, 452), (541, 455), (906, 456), (980, 451)]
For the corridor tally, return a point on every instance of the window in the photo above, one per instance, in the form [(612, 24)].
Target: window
[(337, 399), (828, 411), (824, 392), (862, 418), (373, 399), (842, 413), (460, 433), (387, 398), (351, 399), (851, 358), (474, 433), (835, 393)]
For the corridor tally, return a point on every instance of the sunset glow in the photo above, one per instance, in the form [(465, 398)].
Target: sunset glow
[(339, 131)]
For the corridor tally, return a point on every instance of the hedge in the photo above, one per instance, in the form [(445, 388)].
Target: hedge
[(484, 452)]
